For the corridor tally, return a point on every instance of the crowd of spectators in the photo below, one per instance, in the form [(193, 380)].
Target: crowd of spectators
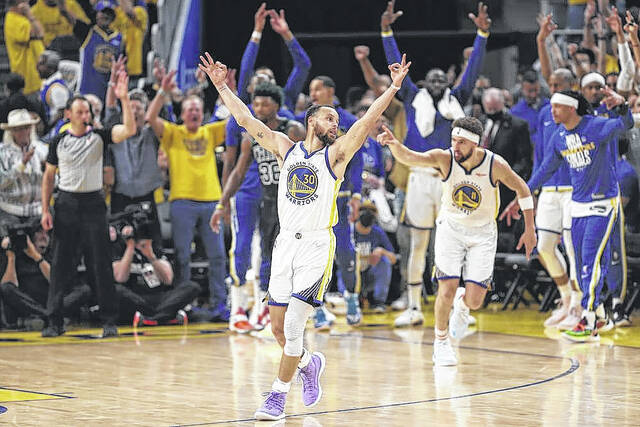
[(166, 157)]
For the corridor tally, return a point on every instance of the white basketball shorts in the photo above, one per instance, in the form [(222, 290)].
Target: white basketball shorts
[(553, 212), (424, 194), (301, 266), (467, 251)]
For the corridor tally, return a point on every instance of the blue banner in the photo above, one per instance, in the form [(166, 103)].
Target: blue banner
[(185, 51)]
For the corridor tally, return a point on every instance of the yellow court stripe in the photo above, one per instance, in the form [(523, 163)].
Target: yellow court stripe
[(595, 272), (9, 395)]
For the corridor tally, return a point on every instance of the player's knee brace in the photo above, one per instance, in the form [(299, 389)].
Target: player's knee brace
[(295, 320), (548, 249)]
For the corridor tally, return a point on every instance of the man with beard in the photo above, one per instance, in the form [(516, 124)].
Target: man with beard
[(322, 92), (430, 112), (195, 187), (466, 234), (312, 171), (267, 100), (592, 87), (531, 102)]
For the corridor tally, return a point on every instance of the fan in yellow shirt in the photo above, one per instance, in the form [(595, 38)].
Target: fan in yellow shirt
[(23, 37), (132, 23), (56, 25)]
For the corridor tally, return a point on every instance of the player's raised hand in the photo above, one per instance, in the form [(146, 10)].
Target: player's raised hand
[(482, 20), (631, 28), (168, 82), (260, 17), (386, 137), (389, 16), (399, 71), (361, 52), (547, 26), (611, 98), (278, 22), (216, 71), (511, 212), (529, 240), (122, 85)]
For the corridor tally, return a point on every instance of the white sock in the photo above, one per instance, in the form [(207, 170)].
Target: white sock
[(565, 293), (463, 305), (236, 298), (591, 318), (616, 301), (576, 298), (304, 359), (600, 311), (441, 334), (281, 386), (415, 296)]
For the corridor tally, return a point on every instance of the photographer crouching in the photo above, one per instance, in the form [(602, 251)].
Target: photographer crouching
[(25, 282), (144, 280)]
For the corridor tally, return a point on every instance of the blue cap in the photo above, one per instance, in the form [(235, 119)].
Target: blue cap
[(105, 4)]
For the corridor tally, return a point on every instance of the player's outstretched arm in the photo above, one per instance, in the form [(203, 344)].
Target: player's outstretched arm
[(503, 173), (355, 136), (276, 142), (433, 158)]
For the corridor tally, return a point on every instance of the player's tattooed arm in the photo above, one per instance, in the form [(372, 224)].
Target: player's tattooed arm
[(439, 159), (276, 142)]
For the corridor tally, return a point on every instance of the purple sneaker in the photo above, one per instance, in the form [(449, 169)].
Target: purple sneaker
[(273, 407), (311, 389)]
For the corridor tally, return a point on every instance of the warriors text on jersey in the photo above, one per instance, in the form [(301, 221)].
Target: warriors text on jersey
[(470, 197), (307, 190)]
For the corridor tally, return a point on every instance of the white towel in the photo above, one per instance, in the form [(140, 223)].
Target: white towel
[(448, 106)]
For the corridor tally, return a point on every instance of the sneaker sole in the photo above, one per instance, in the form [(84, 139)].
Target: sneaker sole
[(581, 339), (323, 361), (263, 416)]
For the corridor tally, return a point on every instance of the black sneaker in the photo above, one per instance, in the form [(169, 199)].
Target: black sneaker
[(52, 331), (620, 318), (109, 331)]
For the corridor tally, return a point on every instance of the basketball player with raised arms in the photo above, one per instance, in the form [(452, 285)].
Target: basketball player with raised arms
[(311, 172), (466, 232)]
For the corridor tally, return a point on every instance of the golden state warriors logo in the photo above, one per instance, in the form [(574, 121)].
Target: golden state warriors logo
[(302, 183), (466, 196)]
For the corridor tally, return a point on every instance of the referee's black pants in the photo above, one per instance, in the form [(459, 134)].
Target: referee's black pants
[(80, 222)]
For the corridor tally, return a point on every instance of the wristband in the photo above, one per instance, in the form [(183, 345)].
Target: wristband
[(257, 35), (111, 84), (161, 92), (219, 207), (526, 203), (392, 86), (386, 33), (40, 261), (483, 33)]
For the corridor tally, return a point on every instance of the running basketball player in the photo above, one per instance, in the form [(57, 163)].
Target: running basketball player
[(310, 175), (466, 232), (585, 143)]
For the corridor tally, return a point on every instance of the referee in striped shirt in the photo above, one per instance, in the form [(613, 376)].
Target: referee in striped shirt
[(80, 210)]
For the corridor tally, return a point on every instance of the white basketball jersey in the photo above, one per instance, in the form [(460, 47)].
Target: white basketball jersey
[(470, 198), (307, 191)]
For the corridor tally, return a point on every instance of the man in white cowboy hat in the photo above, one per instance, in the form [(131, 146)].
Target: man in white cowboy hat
[(21, 158)]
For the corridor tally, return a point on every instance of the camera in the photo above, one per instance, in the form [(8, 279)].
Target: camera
[(139, 216), (17, 234)]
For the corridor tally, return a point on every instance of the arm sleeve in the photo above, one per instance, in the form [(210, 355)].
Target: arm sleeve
[(81, 31), (105, 134), (408, 90), (355, 172), (615, 127), (247, 65), (384, 240), (627, 69), (19, 32), (468, 81), (167, 135), (52, 156), (299, 74), (552, 161)]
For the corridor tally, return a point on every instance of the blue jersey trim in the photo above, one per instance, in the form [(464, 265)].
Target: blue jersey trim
[(307, 155), (493, 156), (315, 303), (289, 151), (476, 166), (447, 277), (326, 160), (450, 165), (278, 304), (482, 285)]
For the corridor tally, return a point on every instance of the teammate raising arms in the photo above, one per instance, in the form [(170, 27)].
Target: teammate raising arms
[(466, 233), (310, 177)]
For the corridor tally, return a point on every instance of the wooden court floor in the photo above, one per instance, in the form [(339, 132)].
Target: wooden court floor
[(511, 372)]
